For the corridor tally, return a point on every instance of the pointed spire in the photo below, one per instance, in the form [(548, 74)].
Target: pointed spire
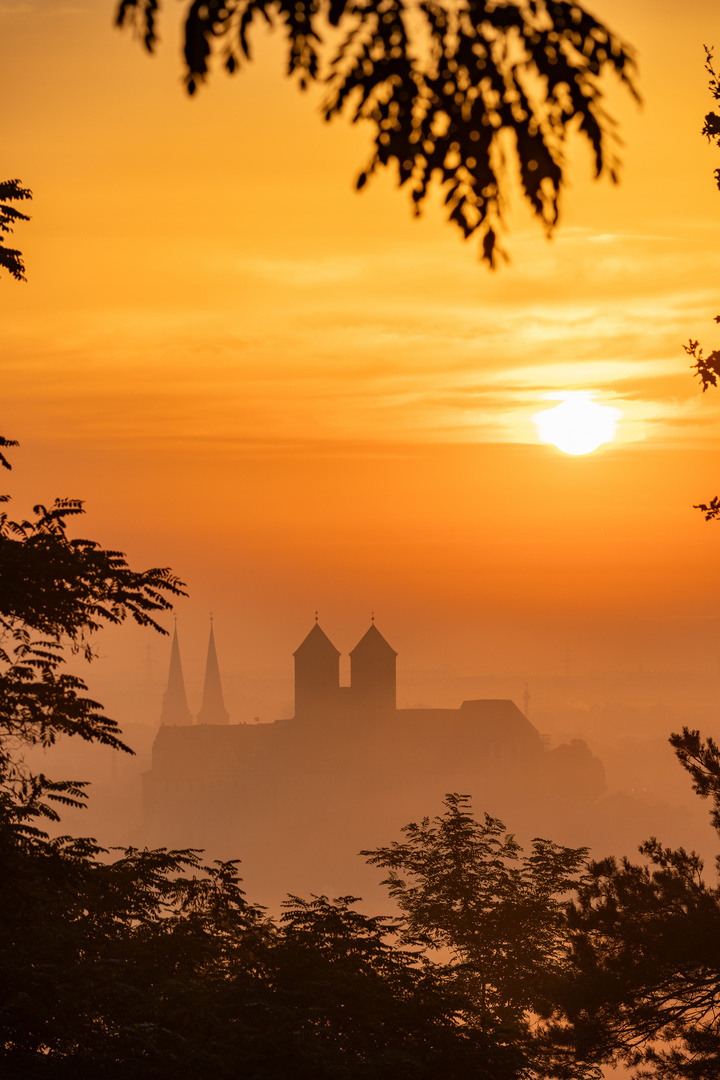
[(372, 641), (213, 709), (372, 672), (317, 643), (175, 709)]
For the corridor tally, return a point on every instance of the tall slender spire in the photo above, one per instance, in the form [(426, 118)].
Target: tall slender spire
[(212, 710), (175, 709)]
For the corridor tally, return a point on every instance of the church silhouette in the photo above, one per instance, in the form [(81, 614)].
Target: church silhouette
[(345, 771)]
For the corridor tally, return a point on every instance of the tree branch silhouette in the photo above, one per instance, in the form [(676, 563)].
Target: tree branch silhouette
[(707, 368), (459, 94), (11, 192)]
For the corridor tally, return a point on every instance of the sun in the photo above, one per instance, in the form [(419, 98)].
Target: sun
[(578, 425)]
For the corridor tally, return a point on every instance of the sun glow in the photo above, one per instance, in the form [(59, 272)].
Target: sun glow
[(578, 425)]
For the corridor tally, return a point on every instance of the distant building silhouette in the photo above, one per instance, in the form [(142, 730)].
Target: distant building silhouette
[(212, 710), (372, 674), (372, 690), (346, 770), (175, 711), (317, 675)]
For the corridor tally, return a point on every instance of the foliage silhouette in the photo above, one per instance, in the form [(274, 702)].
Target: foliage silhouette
[(54, 592), (707, 368), (11, 192), (104, 965), (452, 91), (141, 966), (465, 886), (645, 981), (359, 1004)]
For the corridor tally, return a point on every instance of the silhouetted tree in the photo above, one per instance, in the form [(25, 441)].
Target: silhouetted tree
[(55, 591), (644, 987), (11, 192), (707, 368), (62, 905), (154, 965), (451, 90), (340, 997), (108, 968), (101, 961), (465, 886), (79, 935)]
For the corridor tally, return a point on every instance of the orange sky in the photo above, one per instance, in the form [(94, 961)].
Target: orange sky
[(300, 397)]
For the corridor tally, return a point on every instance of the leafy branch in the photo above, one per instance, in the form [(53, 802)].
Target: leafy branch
[(11, 259), (454, 93), (707, 368), (55, 592)]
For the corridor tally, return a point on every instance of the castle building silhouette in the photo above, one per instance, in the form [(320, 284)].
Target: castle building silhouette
[(345, 771)]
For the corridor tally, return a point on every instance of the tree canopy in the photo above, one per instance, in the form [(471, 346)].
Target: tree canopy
[(643, 986), (465, 887), (11, 192), (466, 93)]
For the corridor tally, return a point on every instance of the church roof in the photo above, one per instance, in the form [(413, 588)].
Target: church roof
[(212, 710), (317, 643), (373, 643), (175, 707)]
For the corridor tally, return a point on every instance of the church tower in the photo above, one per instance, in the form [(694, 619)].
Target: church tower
[(175, 712), (317, 675), (372, 673), (212, 710)]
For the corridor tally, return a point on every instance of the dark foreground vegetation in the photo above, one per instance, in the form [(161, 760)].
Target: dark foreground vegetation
[(497, 965)]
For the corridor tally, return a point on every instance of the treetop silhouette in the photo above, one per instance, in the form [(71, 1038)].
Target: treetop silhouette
[(644, 980), (452, 91), (464, 886)]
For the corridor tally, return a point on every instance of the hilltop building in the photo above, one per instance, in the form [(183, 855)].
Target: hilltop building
[(346, 771)]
